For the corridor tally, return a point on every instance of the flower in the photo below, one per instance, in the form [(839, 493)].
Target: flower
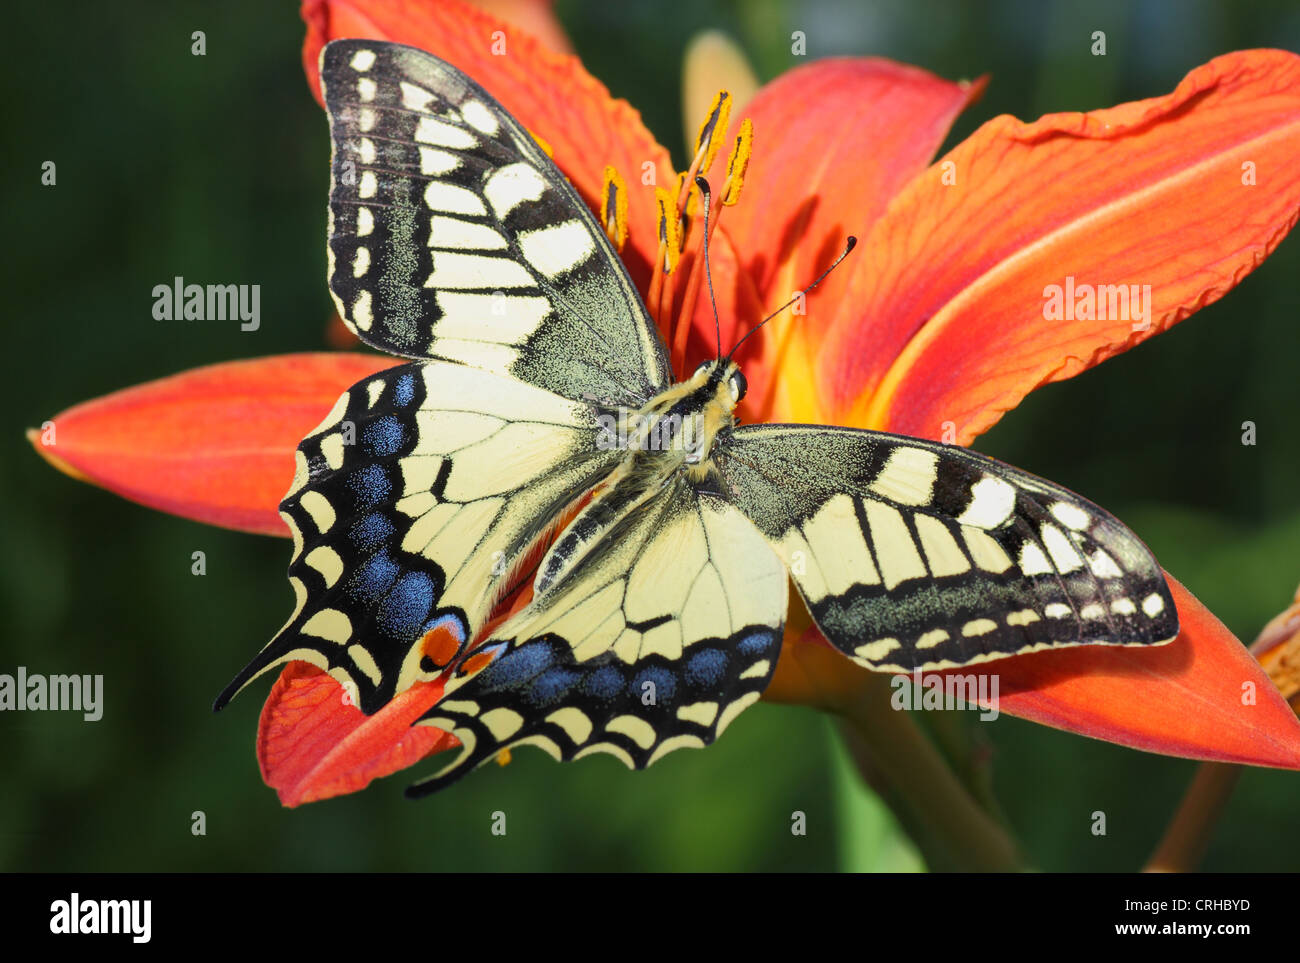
[(935, 327)]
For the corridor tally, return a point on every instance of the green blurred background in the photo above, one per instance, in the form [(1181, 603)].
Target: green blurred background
[(215, 168)]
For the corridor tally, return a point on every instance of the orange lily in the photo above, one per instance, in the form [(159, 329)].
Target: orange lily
[(934, 328)]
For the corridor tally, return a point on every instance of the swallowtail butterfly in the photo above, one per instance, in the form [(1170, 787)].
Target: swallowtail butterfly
[(455, 242)]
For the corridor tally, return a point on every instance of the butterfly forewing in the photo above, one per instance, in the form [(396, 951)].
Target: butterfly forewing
[(914, 555), (452, 235)]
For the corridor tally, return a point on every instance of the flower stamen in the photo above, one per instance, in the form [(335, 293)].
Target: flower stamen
[(738, 163), (659, 298), (706, 143), (613, 208)]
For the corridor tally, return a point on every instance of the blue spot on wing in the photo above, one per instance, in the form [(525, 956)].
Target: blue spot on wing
[(383, 437), (604, 683), (665, 683), (370, 486), (517, 667), (755, 644), (404, 390), (406, 606), (552, 685), (374, 578), (705, 668), (370, 532)]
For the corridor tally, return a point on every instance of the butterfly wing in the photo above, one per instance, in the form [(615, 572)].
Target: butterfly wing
[(657, 640), (413, 502), (454, 240), (452, 235), (912, 554)]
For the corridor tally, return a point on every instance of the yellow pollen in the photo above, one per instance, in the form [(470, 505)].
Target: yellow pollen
[(688, 190), (715, 124), (613, 208), (503, 757), (670, 230), (738, 163)]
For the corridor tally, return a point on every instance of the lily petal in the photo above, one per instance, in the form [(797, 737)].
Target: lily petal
[(833, 143), (1188, 698), (946, 314), (549, 93), (737, 302), (215, 444), (312, 743), (1202, 696), (534, 16)]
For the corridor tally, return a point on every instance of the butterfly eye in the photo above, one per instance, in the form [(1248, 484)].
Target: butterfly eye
[(738, 386)]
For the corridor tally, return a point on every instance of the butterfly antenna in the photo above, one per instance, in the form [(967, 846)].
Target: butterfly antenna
[(703, 185), (849, 245)]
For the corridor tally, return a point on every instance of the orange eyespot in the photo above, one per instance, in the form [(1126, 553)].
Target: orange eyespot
[(476, 662), (440, 645)]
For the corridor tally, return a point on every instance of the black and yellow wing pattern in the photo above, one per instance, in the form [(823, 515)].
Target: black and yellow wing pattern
[(917, 555), (658, 609), (452, 235), (452, 239), (655, 641), (412, 505)]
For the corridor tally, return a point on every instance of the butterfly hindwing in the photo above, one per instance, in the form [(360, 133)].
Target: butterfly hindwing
[(414, 500), (656, 641), (452, 235), (912, 554)]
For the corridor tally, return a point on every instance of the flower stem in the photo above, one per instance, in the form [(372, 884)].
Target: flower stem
[(894, 755), (1277, 649), (1188, 835)]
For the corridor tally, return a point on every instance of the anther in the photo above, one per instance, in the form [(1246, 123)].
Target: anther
[(738, 163), (715, 123), (670, 230), (613, 208)]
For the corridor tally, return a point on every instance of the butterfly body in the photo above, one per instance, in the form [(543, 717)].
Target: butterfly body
[(538, 389)]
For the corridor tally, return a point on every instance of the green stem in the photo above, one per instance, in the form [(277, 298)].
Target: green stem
[(893, 754), (1189, 832)]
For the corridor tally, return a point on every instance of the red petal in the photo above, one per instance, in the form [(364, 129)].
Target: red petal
[(536, 17), (214, 444), (549, 93), (833, 143), (312, 743), (945, 317), (1182, 699)]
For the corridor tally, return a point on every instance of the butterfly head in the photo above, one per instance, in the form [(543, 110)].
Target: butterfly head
[(723, 377)]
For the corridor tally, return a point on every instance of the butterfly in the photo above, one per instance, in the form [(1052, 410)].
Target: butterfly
[(537, 433)]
